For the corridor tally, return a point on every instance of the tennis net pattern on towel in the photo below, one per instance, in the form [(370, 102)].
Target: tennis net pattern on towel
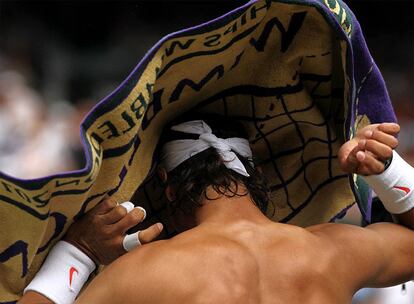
[(296, 73)]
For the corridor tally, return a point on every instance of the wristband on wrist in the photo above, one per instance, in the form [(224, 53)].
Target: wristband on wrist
[(388, 162), (63, 274), (394, 186)]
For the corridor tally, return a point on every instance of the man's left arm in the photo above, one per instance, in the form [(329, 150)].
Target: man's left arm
[(98, 238)]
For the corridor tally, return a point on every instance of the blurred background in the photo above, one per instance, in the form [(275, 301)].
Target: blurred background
[(59, 58)]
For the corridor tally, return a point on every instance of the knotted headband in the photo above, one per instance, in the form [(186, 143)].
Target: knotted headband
[(177, 151)]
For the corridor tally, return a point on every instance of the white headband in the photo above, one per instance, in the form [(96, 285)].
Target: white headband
[(177, 151)]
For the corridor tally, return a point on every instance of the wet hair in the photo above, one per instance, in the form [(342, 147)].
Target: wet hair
[(192, 177)]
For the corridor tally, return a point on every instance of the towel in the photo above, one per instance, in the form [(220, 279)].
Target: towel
[(296, 73)]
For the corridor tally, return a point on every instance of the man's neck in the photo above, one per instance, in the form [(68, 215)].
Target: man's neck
[(223, 209)]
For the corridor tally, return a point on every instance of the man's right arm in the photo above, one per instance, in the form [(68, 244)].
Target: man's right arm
[(396, 250), (379, 255)]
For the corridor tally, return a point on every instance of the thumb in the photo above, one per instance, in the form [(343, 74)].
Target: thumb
[(149, 234)]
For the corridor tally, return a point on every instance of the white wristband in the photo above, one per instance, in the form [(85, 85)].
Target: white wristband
[(63, 274), (394, 186)]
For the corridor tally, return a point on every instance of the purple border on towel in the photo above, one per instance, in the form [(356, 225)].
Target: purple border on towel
[(142, 63), (367, 84)]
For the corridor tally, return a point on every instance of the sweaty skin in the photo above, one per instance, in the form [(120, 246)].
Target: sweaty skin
[(236, 255)]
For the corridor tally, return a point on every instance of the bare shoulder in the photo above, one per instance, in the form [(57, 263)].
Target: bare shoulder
[(345, 239), (165, 270), (378, 255), (345, 254)]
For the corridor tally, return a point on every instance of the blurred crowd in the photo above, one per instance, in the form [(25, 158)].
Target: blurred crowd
[(37, 138), (51, 77)]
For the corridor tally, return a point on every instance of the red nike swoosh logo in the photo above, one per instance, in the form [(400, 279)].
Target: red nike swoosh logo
[(405, 189), (71, 271)]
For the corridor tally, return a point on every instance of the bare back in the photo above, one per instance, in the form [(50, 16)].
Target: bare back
[(242, 263)]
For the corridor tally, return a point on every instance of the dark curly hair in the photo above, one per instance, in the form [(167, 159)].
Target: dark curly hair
[(191, 178)]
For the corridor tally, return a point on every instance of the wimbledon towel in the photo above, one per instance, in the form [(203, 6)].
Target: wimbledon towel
[(296, 73)]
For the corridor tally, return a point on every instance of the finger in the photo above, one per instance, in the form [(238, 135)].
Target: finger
[(149, 234), (389, 128), (131, 241), (384, 138), (130, 220), (351, 162), (370, 165), (143, 211), (139, 238), (128, 206), (107, 205), (360, 156), (379, 150), (114, 215)]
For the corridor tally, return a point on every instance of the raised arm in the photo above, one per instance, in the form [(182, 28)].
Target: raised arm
[(395, 189), (98, 238), (381, 254), (367, 153)]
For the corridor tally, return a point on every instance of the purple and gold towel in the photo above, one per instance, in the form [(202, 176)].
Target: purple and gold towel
[(296, 73)]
